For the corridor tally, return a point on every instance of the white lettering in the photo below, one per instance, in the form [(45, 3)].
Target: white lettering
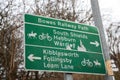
[(53, 66), (47, 22), (66, 24), (64, 66), (61, 33), (78, 35), (62, 38), (56, 59), (85, 28), (59, 53)]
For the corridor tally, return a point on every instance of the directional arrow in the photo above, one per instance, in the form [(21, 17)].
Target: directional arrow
[(31, 57), (95, 43)]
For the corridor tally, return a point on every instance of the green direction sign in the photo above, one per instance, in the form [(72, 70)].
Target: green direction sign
[(62, 46)]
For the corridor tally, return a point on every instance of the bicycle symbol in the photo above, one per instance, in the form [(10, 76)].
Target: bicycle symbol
[(44, 36), (87, 63)]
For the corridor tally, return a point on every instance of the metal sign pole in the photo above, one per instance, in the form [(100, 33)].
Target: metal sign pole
[(98, 23), (68, 76)]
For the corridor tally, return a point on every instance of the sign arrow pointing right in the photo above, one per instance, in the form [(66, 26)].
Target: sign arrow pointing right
[(95, 43)]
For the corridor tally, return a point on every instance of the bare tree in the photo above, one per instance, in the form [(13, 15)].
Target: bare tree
[(113, 33), (10, 41), (63, 9)]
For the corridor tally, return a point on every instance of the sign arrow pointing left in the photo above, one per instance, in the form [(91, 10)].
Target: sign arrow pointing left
[(31, 57)]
